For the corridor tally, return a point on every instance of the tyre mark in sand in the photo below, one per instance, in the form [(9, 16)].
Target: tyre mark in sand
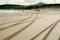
[(15, 23), (49, 32), (43, 30), (59, 38), (21, 30)]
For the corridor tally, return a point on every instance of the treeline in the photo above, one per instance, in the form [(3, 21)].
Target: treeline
[(11, 6), (44, 6)]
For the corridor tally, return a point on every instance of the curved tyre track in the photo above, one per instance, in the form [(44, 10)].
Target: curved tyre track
[(59, 38), (21, 30), (18, 23), (52, 28), (53, 25), (11, 22)]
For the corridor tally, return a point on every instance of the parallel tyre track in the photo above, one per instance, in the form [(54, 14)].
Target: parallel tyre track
[(45, 37), (11, 22), (21, 30), (50, 30), (59, 38), (53, 25), (18, 23)]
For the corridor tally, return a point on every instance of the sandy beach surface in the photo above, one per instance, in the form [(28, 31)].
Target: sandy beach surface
[(30, 25)]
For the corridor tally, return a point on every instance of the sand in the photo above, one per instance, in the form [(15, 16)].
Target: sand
[(30, 25)]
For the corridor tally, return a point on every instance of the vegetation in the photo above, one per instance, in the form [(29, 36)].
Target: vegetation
[(12, 6), (35, 6), (44, 6)]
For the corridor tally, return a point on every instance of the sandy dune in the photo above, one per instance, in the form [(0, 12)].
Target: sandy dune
[(31, 25)]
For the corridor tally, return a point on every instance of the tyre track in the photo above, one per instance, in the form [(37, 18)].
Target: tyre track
[(11, 22), (18, 23), (59, 38), (44, 30), (49, 32), (17, 20), (21, 30)]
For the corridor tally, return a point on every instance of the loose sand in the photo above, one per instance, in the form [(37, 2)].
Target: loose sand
[(30, 25)]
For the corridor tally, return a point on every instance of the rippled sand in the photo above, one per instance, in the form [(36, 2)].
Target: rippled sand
[(31, 25)]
